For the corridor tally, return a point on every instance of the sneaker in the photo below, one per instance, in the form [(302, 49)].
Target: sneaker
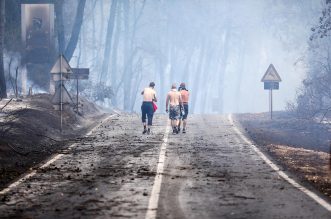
[(178, 128), (174, 130), (184, 131), (145, 131), (148, 131)]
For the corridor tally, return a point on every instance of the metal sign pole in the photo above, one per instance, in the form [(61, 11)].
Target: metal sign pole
[(271, 81), (77, 95), (271, 103), (61, 101)]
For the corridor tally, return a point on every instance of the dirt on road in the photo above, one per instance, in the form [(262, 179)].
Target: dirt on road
[(209, 172), (302, 146), (30, 132)]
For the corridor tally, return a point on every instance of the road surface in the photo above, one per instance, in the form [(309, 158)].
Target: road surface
[(116, 172)]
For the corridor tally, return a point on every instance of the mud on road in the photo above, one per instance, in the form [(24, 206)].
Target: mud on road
[(209, 173), (108, 174)]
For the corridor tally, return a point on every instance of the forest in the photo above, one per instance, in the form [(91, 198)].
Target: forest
[(219, 48)]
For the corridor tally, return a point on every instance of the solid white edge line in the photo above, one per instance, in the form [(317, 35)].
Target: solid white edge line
[(281, 173), (50, 161), (155, 194)]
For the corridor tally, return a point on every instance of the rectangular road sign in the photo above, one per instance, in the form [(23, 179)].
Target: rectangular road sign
[(80, 73), (271, 86)]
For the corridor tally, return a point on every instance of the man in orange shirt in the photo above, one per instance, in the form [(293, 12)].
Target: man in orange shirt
[(184, 110)]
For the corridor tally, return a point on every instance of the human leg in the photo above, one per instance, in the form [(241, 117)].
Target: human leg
[(143, 117), (185, 117), (180, 118), (150, 114), (174, 116)]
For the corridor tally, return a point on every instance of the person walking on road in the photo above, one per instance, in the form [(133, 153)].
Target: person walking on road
[(174, 99), (147, 108), (184, 111)]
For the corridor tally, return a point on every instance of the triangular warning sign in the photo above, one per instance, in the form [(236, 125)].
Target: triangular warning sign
[(61, 66), (271, 75)]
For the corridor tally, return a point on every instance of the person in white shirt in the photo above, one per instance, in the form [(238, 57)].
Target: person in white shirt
[(147, 109)]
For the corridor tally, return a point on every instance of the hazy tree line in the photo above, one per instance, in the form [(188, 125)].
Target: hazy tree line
[(207, 44), (314, 97), (218, 47)]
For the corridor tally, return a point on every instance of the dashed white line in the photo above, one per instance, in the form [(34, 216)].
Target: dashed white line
[(281, 173), (50, 161), (155, 194)]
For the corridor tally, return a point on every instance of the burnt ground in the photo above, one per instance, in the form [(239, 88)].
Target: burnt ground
[(30, 132), (106, 175), (209, 172), (300, 146)]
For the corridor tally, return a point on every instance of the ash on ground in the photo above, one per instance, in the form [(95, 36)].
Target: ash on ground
[(30, 131), (300, 146)]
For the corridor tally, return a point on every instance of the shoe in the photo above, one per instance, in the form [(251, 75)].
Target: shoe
[(148, 131), (145, 131), (178, 128), (184, 131)]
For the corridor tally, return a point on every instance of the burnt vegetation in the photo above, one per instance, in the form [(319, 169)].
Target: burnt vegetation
[(314, 97)]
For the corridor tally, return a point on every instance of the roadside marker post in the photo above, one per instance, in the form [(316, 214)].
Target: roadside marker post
[(271, 81)]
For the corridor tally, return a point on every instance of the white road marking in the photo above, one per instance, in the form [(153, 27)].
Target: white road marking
[(50, 161), (154, 198), (281, 173)]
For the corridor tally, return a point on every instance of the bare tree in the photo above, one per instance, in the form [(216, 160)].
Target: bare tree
[(3, 89), (74, 36), (75, 30), (109, 35)]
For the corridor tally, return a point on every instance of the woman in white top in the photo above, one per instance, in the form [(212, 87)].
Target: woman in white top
[(147, 109)]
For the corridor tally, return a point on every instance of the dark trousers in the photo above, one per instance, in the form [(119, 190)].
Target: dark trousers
[(147, 110)]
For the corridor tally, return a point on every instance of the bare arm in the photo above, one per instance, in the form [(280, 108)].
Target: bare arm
[(181, 101), (167, 102), (142, 92), (155, 99)]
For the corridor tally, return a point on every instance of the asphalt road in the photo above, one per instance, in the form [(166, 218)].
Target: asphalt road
[(209, 172)]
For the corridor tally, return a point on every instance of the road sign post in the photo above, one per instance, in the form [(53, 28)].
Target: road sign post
[(60, 72), (79, 74), (271, 81), (270, 102)]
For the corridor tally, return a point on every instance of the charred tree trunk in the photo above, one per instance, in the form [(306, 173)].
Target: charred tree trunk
[(75, 30), (60, 25), (108, 40), (129, 49), (206, 79), (127, 63), (114, 55), (161, 96), (196, 82), (224, 58), (3, 89), (241, 65)]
